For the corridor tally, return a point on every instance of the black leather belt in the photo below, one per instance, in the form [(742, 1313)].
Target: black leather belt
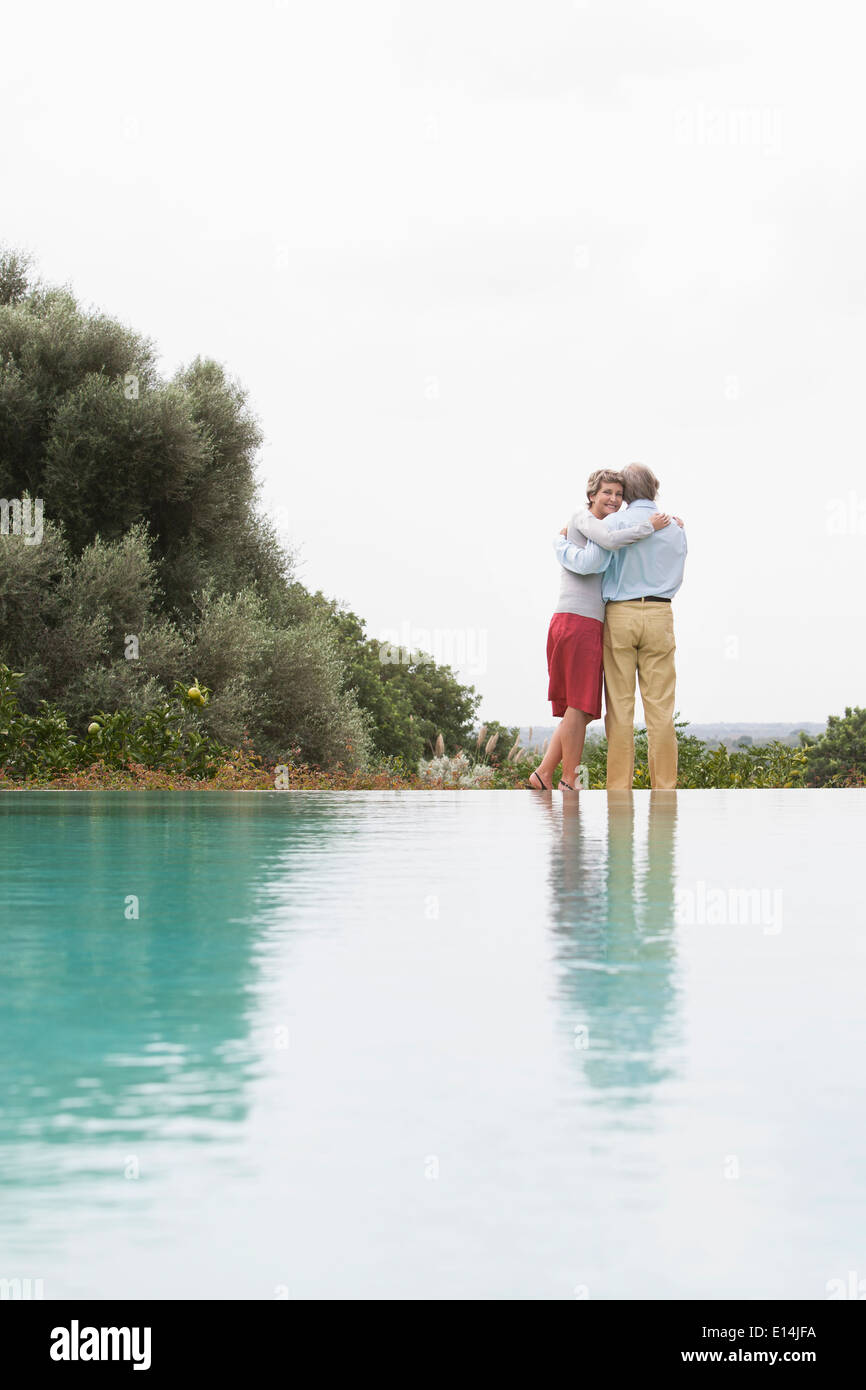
[(647, 598)]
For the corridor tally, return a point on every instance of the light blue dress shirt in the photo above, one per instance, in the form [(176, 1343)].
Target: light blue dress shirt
[(651, 566)]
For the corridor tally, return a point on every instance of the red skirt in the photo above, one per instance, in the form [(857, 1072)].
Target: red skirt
[(574, 663)]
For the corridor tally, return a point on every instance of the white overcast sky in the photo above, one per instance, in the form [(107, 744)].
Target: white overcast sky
[(463, 253)]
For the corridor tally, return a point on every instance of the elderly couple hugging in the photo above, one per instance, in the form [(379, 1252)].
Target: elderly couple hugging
[(621, 566)]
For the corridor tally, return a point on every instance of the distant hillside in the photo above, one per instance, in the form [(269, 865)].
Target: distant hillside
[(711, 734), (714, 734)]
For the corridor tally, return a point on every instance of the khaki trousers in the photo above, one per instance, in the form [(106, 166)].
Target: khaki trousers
[(639, 637)]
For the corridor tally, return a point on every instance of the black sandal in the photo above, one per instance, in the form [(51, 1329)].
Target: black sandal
[(531, 787), (567, 785)]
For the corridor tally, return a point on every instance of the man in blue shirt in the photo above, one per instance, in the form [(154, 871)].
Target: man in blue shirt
[(639, 583)]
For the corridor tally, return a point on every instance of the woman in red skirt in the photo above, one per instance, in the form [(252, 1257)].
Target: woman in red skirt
[(574, 639)]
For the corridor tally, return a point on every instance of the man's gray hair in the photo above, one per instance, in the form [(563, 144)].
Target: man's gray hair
[(638, 481)]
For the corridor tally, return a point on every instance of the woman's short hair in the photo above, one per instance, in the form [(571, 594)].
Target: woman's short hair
[(602, 475), (638, 481)]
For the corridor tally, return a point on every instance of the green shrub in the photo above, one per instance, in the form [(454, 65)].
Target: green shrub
[(770, 765), (153, 528), (410, 700), (40, 747), (838, 757)]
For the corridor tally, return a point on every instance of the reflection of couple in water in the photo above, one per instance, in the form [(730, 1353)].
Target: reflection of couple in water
[(620, 569), (612, 910)]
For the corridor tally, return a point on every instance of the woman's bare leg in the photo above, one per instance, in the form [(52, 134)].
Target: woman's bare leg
[(573, 733), (550, 762), (573, 743)]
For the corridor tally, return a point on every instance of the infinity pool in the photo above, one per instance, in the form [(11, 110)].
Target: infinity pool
[(433, 1045)]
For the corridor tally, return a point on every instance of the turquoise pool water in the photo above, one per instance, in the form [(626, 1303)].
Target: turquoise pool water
[(433, 1045)]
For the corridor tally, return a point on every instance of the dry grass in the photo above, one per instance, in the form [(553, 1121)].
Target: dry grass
[(240, 772)]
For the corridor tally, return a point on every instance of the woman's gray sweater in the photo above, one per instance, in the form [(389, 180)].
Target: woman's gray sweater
[(581, 593)]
